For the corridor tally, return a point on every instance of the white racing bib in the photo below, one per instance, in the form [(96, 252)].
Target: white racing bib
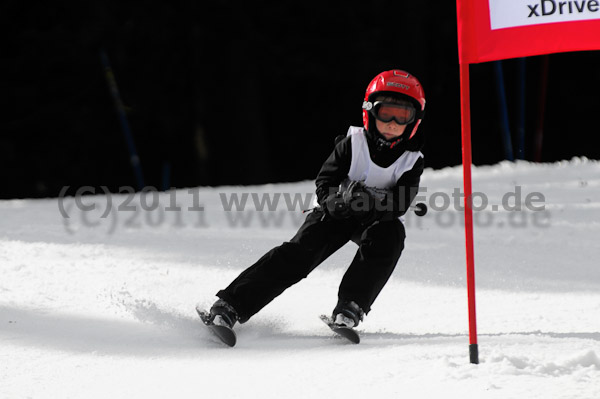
[(362, 168)]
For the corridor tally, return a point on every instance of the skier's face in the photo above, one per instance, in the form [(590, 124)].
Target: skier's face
[(390, 130)]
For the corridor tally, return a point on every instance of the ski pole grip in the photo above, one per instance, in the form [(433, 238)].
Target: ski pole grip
[(420, 209)]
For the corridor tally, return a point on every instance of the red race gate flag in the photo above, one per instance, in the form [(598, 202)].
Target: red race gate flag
[(490, 30)]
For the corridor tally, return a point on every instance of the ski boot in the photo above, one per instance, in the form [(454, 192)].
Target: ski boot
[(347, 314), (220, 320), (223, 314)]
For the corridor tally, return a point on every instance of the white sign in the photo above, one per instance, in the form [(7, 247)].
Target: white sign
[(513, 13)]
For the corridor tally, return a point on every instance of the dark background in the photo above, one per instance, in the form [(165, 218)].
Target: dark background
[(226, 92)]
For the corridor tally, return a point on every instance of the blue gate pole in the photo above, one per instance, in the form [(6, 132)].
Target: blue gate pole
[(506, 139), (521, 107), (541, 110), (134, 159)]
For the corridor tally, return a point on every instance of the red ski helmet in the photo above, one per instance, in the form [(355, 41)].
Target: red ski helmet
[(400, 82)]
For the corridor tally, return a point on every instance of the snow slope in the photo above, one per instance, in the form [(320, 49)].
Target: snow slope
[(104, 307)]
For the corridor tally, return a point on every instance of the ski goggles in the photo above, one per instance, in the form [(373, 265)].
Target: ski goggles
[(403, 114)]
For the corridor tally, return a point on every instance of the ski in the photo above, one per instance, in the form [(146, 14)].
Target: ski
[(224, 333), (346, 332)]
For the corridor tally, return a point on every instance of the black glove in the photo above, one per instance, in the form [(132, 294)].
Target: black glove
[(336, 207), (355, 202), (361, 203)]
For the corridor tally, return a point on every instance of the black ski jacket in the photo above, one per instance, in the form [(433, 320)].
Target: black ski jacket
[(336, 168)]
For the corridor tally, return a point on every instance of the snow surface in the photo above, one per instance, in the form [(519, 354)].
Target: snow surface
[(104, 307)]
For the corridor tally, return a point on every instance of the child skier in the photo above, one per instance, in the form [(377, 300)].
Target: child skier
[(363, 189)]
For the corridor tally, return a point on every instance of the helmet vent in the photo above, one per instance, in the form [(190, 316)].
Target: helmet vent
[(401, 73)]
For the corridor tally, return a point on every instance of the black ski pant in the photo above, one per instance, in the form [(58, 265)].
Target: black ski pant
[(379, 248)]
